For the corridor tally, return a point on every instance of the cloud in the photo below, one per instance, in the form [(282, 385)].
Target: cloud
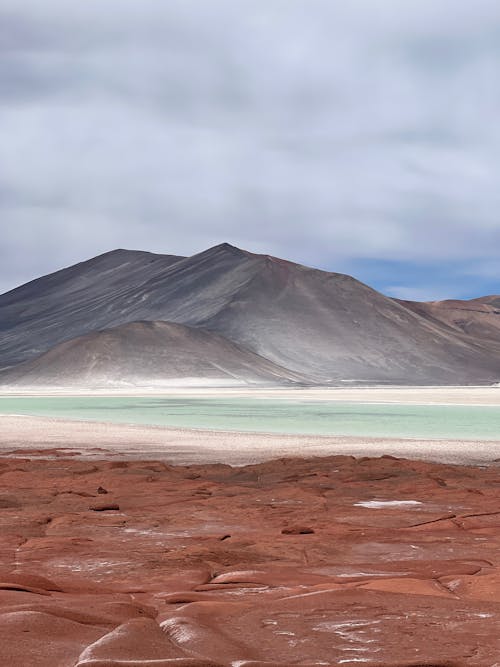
[(329, 133)]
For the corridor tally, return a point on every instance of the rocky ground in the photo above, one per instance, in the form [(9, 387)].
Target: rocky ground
[(327, 561)]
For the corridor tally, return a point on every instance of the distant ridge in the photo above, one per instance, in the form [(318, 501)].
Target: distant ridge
[(478, 318), (309, 325)]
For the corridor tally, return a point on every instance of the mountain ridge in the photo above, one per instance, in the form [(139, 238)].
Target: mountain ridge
[(320, 326)]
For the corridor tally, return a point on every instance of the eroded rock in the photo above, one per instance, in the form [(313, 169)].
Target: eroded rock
[(332, 561)]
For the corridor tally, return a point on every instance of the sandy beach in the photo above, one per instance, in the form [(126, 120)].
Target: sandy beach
[(187, 446)]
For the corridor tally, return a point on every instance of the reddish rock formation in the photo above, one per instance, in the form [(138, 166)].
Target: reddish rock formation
[(328, 561)]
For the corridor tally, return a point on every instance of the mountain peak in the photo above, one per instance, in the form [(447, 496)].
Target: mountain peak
[(224, 250), (126, 252), (228, 247)]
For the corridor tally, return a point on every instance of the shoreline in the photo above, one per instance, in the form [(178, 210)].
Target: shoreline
[(183, 446), (481, 396)]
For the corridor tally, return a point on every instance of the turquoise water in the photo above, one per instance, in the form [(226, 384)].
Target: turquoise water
[(271, 416)]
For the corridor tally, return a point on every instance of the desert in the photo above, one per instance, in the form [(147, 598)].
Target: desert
[(133, 545), (234, 460), (249, 333), (117, 561)]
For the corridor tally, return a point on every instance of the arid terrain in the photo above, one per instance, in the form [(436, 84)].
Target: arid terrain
[(249, 333), (136, 546), (92, 440), (319, 561), (229, 316)]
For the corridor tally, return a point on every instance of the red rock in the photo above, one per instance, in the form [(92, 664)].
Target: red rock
[(104, 507), (394, 584), (34, 639), (409, 586), (6, 586), (297, 530), (136, 640), (30, 580)]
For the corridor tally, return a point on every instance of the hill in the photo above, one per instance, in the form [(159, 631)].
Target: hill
[(147, 353), (478, 318)]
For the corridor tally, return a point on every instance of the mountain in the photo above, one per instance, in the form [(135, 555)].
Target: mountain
[(479, 318), (314, 325), (146, 353), (82, 298)]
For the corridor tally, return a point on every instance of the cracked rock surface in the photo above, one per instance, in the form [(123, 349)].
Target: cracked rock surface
[(326, 561)]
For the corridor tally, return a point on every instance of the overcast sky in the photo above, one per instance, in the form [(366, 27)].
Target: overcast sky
[(360, 136)]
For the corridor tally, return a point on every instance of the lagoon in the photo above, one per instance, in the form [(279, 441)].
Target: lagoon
[(285, 416)]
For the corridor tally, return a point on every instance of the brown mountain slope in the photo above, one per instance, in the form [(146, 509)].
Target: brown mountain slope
[(478, 318)]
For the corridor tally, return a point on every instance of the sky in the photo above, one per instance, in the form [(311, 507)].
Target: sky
[(361, 137)]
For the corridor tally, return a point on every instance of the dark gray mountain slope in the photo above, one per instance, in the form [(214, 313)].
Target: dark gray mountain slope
[(81, 298), (146, 353), (119, 287), (334, 328), (327, 326)]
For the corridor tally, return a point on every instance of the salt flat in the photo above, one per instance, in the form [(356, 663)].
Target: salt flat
[(184, 446), (116, 555), (406, 395)]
